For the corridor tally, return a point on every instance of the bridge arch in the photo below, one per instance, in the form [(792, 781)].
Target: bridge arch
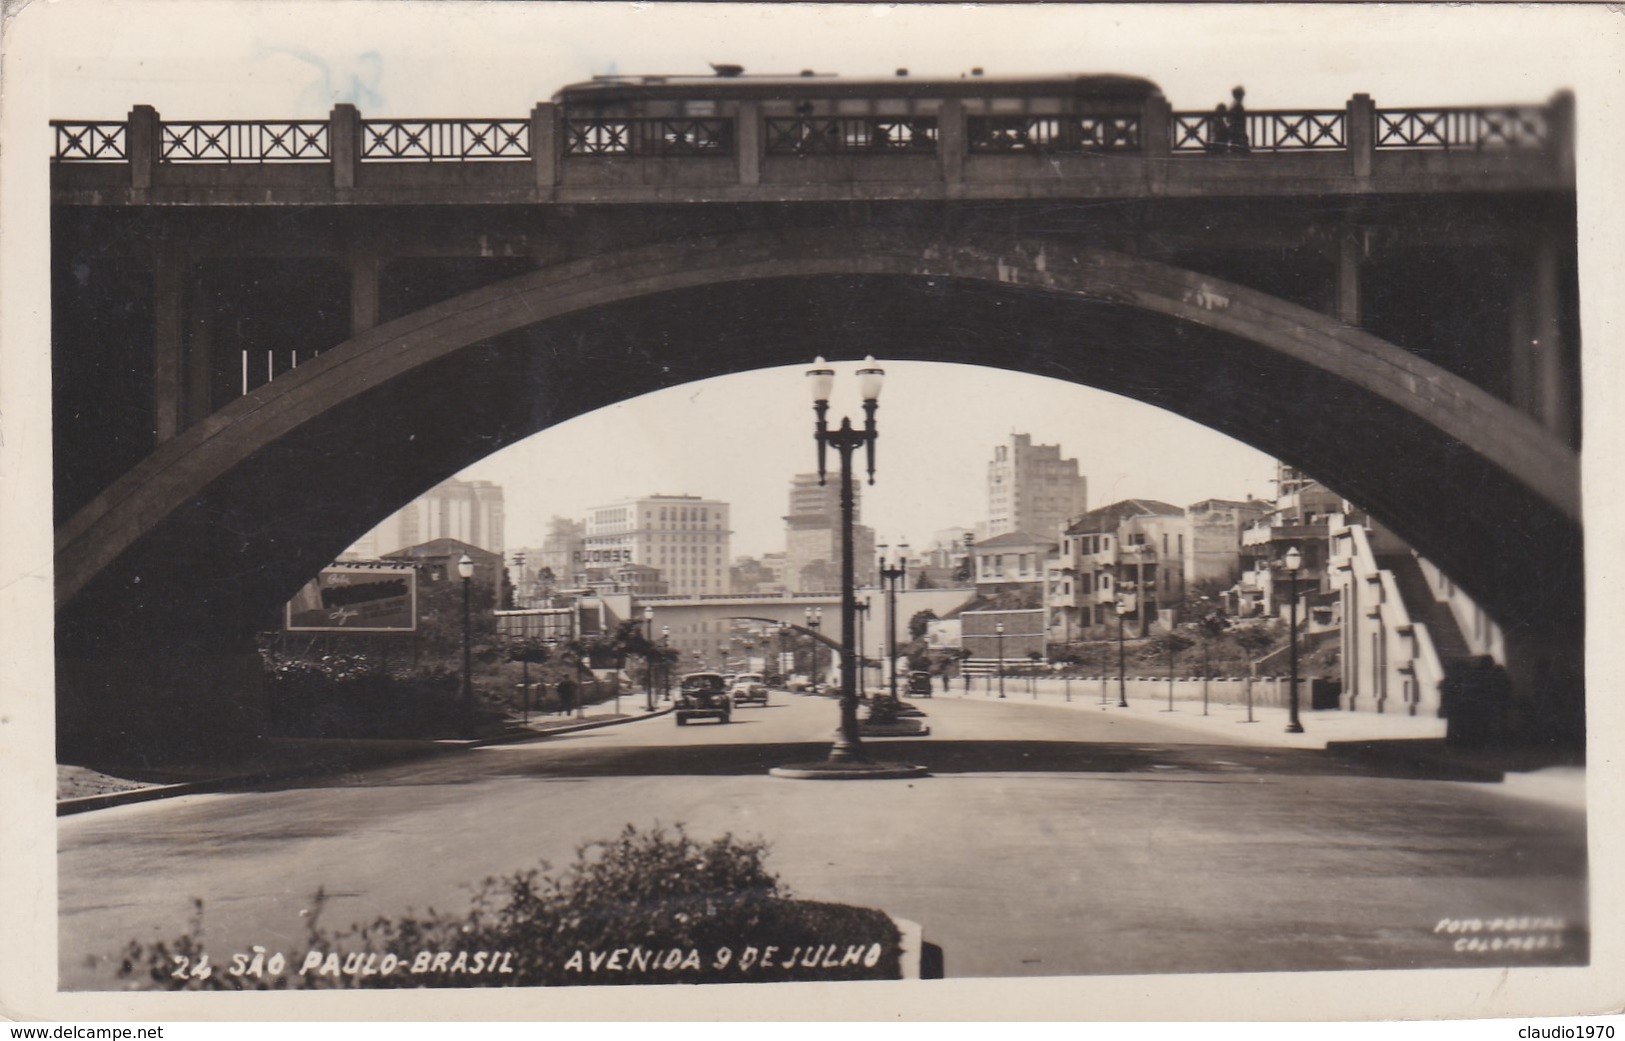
[(219, 525)]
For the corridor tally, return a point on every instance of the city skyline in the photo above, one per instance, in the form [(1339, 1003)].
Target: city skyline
[(741, 439)]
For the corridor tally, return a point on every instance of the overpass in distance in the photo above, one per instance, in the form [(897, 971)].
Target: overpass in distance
[(269, 334)]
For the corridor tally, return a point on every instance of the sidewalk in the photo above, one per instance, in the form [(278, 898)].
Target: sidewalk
[(281, 759), (1414, 740)]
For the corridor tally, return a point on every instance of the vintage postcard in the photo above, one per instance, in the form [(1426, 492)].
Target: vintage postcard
[(1056, 511)]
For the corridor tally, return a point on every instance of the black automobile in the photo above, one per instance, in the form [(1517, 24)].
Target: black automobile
[(703, 695), (919, 684)]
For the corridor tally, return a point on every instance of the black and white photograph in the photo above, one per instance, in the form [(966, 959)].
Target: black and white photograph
[(560, 511)]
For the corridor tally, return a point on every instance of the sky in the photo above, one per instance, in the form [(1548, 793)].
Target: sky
[(740, 438)]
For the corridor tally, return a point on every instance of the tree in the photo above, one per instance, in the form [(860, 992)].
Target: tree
[(918, 624), (923, 581)]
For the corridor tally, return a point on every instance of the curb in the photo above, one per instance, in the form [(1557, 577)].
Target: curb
[(150, 793), (570, 728)]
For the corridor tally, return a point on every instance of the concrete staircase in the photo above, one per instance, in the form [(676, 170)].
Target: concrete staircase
[(1424, 607)]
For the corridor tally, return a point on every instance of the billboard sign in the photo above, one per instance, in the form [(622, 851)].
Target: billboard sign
[(354, 599)]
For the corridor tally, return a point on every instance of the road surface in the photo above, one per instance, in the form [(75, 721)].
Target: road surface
[(1048, 841)]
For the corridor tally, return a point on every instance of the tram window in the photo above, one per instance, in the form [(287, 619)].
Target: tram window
[(852, 107), (1006, 106), (699, 108)]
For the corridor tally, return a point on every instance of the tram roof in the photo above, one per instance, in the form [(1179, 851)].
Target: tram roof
[(828, 85)]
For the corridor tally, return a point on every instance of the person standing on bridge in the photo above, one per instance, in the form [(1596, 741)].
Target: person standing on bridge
[(1236, 140)]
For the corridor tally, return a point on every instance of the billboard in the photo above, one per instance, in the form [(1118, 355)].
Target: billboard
[(356, 599)]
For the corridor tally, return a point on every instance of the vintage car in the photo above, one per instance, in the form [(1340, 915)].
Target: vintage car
[(703, 695), (749, 687), (919, 684)]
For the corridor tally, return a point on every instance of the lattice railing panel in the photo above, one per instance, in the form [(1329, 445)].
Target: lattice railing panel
[(1266, 131), (846, 135), (89, 142), (1462, 128), (444, 140), (249, 142), (1052, 135), (649, 137)]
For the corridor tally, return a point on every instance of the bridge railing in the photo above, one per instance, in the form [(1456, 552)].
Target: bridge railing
[(1265, 131), (870, 135), (443, 140), (1051, 135), (649, 137), (547, 135), (1462, 128), (245, 142)]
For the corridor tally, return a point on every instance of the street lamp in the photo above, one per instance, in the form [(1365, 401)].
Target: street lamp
[(665, 664), (1293, 561), (890, 576), (1121, 606), (649, 659), (998, 630), (1203, 631), (848, 746), (465, 571), (862, 609)]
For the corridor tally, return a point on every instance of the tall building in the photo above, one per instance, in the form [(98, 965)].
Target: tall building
[(1031, 488), (812, 537), (469, 511), (684, 536), (561, 551)]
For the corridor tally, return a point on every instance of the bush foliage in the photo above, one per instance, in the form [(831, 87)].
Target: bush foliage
[(644, 907)]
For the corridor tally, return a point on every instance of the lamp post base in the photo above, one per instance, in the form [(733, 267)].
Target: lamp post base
[(1294, 728)]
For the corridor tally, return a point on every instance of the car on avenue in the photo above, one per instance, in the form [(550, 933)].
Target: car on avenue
[(703, 695), (749, 687)]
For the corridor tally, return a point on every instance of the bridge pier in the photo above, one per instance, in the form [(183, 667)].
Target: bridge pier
[(152, 706)]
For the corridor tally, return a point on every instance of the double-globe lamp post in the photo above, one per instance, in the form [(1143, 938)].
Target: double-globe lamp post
[(1293, 561), (890, 576), (848, 746), (815, 621), (465, 571), (649, 659), (1121, 606), (998, 631)]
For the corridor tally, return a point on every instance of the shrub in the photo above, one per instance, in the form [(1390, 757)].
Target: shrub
[(644, 907)]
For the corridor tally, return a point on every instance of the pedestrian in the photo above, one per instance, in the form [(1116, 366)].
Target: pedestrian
[(1218, 131), (945, 681), (1236, 141), (567, 697)]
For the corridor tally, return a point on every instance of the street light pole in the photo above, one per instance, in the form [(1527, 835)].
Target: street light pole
[(1122, 683), (465, 571), (848, 746), (998, 631), (1293, 561), (1170, 707), (649, 659), (862, 608), (665, 664), (890, 577)]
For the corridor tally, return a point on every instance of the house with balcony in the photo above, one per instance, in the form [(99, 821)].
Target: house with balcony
[(1013, 566), (1128, 556)]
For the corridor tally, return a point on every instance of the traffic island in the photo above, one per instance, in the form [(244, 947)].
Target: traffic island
[(849, 770), (896, 728), (888, 717)]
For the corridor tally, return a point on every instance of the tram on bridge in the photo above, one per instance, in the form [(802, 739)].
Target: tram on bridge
[(821, 114)]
